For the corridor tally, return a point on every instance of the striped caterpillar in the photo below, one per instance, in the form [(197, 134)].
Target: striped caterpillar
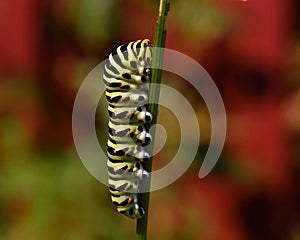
[(126, 77)]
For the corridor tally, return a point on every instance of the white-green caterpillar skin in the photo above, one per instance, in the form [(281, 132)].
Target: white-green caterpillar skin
[(127, 74)]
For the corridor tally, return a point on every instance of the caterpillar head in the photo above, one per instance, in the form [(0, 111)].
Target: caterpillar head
[(144, 54)]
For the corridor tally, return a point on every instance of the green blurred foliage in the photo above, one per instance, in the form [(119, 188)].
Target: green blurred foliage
[(94, 21)]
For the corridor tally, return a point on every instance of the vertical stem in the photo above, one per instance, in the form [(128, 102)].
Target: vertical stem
[(157, 60)]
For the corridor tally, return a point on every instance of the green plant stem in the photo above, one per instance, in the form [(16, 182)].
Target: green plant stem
[(157, 60)]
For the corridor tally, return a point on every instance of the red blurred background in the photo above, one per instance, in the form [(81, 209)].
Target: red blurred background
[(252, 51)]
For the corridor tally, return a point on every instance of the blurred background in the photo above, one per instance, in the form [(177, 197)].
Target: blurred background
[(252, 51)]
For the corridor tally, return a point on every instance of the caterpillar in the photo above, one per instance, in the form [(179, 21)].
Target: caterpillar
[(126, 76)]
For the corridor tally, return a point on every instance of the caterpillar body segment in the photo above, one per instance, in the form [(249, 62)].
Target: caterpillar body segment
[(131, 114), (126, 152), (126, 133), (136, 98)]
